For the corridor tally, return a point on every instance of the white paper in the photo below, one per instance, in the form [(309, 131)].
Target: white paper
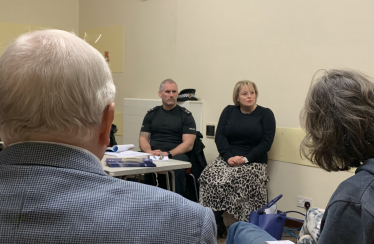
[(127, 154), (157, 158), (318, 225), (272, 209), (121, 148), (279, 242)]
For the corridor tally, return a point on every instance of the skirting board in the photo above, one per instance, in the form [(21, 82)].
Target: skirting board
[(286, 146), (290, 223)]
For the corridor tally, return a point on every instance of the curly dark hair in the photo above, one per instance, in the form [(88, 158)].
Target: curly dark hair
[(338, 117)]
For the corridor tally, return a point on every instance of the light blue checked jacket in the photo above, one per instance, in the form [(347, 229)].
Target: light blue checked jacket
[(51, 193)]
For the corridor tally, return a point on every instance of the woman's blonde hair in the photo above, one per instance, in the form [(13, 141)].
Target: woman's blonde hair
[(239, 86)]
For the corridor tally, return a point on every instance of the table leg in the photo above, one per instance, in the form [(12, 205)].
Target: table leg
[(172, 180)]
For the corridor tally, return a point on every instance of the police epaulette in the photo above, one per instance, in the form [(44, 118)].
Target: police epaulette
[(186, 111), (153, 109)]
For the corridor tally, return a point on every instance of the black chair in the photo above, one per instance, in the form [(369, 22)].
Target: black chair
[(191, 193)]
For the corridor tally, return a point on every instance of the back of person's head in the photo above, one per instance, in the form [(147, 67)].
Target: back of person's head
[(52, 82), (338, 117)]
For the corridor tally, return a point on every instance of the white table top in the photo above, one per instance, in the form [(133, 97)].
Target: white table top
[(161, 166)]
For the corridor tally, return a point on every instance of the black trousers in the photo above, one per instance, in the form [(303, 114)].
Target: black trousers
[(180, 177)]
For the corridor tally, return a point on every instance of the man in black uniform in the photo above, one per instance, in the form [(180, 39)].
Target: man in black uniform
[(169, 130)]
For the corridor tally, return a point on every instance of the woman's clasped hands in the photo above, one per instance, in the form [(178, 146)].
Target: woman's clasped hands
[(236, 161)]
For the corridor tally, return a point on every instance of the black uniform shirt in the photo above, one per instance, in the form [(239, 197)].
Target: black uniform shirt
[(168, 126)]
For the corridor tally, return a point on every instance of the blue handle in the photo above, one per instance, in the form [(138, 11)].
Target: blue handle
[(269, 204), (293, 212), (300, 220)]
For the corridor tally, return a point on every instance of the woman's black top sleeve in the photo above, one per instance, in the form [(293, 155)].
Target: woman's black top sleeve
[(222, 143)]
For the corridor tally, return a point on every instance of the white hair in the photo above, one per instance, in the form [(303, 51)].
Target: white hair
[(52, 81)]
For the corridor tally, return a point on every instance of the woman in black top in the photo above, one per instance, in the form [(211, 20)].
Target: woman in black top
[(236, 181)]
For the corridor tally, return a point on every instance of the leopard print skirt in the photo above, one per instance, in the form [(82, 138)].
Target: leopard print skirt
[(236, 190)]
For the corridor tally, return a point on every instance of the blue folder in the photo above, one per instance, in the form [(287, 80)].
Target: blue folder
[(130, 162)]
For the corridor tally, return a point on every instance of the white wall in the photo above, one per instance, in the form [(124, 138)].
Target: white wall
[(149, 41), (294, 180), (211, 44), (58, 14)]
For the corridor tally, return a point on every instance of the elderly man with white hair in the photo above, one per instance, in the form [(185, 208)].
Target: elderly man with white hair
[(56, 111)]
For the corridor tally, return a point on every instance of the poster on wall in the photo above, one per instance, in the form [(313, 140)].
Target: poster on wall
[(10, 31), (109, 40)]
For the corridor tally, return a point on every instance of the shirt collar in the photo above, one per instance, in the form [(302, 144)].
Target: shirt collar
[(62, 144), (368, 166), (51, 154)]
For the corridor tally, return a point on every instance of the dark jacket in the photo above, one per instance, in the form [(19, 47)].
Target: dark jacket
[(349, 216), (198, 160)]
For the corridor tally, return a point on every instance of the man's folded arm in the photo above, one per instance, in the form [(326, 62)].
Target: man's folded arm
[(185, 146), (144, 145)]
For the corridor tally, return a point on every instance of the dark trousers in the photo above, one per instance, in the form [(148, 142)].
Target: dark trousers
[(221, 228), (219, 218), (180, 177)]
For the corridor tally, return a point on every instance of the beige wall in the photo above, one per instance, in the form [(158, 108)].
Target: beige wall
[(149, 29), (209, 45), (58, 14)]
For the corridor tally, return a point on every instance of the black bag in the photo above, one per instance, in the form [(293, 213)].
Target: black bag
[(113, 130)]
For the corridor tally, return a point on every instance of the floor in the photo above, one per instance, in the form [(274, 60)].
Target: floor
[(229, 220)]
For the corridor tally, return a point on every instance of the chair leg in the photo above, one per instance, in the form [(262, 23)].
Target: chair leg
[(167, 181), (194, 183)]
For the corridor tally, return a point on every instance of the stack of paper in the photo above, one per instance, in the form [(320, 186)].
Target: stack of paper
[(157, 158), (124, 151), (279, 242), (130, 162), (127, 154)]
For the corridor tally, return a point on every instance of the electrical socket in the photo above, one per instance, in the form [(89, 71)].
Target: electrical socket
[(301, 201), (211, 131)]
